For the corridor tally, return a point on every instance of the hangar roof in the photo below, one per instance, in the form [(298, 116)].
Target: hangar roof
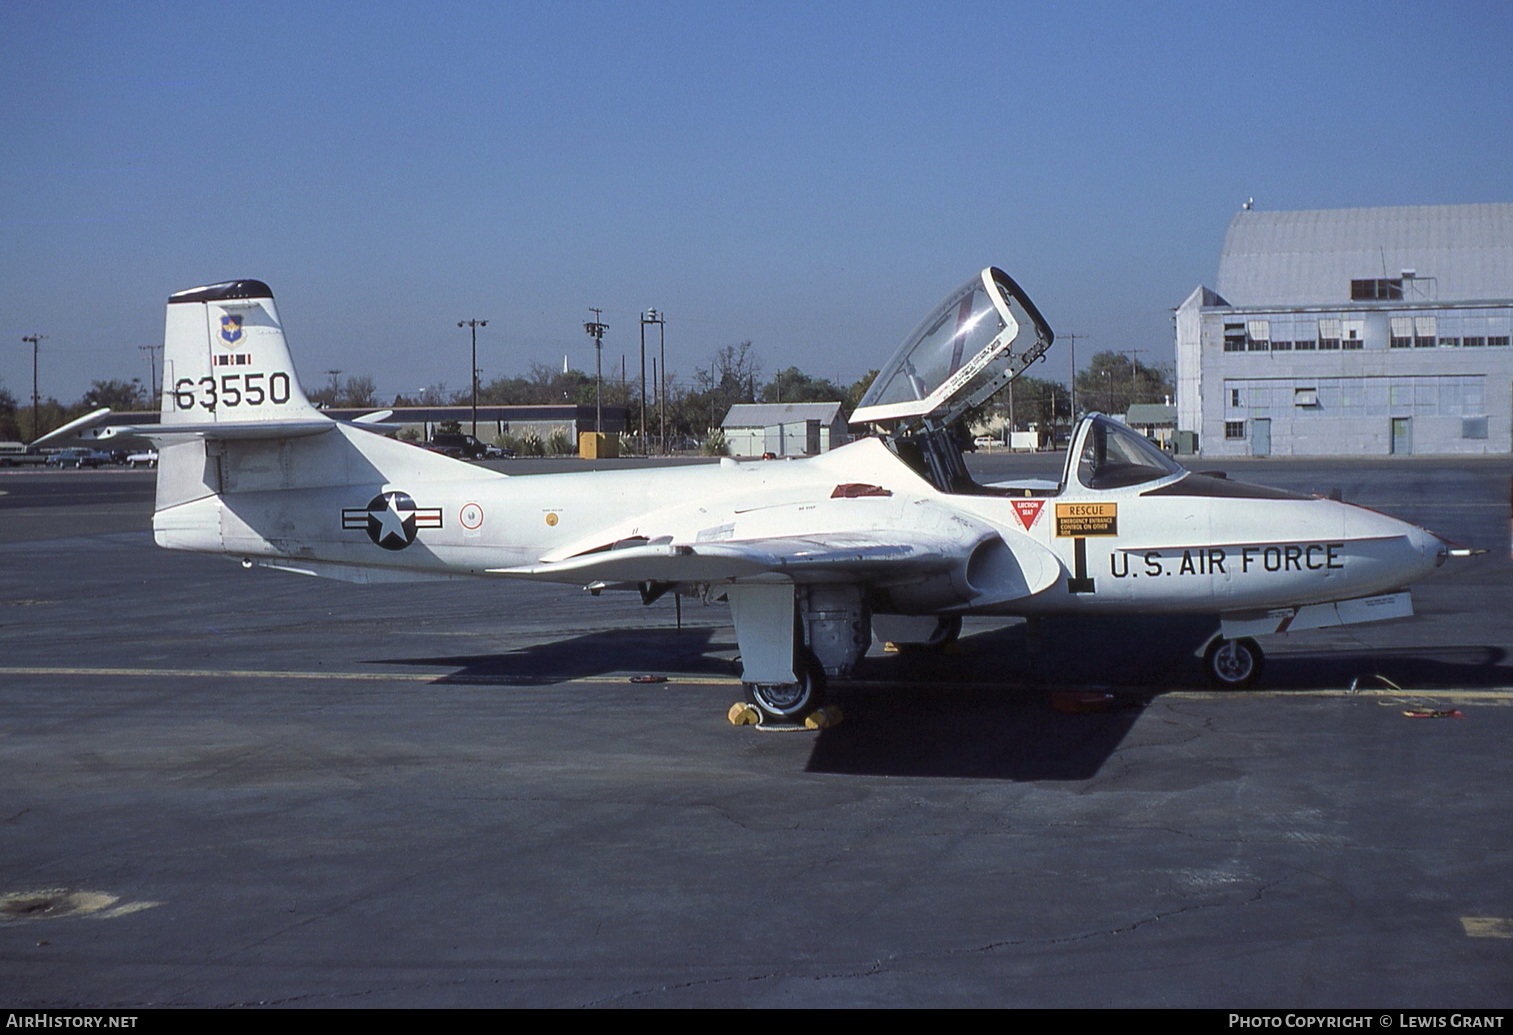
[(765, 415), (1456, 253)]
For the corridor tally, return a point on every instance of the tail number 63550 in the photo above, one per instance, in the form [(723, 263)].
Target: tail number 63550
[(230, 390)]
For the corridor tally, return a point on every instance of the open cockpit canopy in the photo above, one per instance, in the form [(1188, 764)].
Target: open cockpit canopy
[(974, 343)]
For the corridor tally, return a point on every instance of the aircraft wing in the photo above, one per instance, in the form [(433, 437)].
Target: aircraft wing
[(880, 557), (845, 557)]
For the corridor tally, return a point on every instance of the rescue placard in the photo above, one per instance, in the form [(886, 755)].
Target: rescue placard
[(1079, 519)]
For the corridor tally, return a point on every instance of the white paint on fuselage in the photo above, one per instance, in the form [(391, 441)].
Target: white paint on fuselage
[(1171, 553)]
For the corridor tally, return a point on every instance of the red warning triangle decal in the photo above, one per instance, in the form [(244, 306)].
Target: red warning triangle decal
[(1028, 511)]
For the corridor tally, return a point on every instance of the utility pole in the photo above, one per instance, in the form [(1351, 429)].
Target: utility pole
[(474, 324), (335, 386), (1133, 363), (660, 319), (596, 330), (34, 340), (1071, 340), (154, 390), (1012, 426)]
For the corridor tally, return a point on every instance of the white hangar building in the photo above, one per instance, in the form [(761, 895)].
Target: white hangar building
[(1368, 331)]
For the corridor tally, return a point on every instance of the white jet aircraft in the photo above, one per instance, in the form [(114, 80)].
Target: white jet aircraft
[(806, 552)]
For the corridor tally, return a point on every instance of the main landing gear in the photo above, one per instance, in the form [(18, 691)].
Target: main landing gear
[(792, 637), (1233, 664), (788, 704)]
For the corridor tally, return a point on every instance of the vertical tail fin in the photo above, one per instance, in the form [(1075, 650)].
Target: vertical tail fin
[(225, 358)]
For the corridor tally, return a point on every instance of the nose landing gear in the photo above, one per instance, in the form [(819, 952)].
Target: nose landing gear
[(1233, 664)]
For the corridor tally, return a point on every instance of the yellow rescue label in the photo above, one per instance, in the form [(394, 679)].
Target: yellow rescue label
[(1076, 519)]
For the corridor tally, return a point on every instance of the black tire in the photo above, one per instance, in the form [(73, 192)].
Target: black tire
[(788, 704), (1233, 664)]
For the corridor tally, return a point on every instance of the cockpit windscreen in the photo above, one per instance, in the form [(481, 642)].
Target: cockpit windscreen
[(1114, 456)]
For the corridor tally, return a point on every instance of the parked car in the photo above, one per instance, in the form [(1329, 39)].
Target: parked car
[(145, 459), (77, 458), (461, 447)]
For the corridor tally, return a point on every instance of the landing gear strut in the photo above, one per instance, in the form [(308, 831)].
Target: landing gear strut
[(1233, 664), (790, 638)]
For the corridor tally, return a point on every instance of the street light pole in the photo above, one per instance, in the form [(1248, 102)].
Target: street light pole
[(660, 319), (596, 330), (474, 324), (643, 385), (34, 340)]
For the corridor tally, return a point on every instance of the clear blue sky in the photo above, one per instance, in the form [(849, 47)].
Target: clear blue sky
[(812, 177)]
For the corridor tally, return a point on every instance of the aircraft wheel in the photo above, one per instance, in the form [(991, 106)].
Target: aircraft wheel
[(1234, 664), (787, 704)]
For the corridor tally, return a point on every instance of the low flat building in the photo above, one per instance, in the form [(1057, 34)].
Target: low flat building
[(494, 421), (784, 429), (1156, 421), (1372, 331)]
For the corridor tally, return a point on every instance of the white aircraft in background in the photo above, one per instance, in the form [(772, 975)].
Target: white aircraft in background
[(806, 552)]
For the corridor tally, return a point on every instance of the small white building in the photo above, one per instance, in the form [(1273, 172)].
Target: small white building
[(784, 429)]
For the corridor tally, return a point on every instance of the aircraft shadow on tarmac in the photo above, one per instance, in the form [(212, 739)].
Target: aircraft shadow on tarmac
[(945, 715), (686, 651), (983, 711)]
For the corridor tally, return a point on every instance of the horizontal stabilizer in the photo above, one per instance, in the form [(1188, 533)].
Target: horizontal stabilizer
[(227, 431), (74, 429), (88, 428)]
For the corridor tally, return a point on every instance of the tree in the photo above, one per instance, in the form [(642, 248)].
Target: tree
[(118, 395), (360, 392), (1112, 382), (793, 385), (357, 392), (10, 428), (730, 379), (859, 388)]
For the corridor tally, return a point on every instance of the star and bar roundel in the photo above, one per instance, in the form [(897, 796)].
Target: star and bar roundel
[(391, 519)]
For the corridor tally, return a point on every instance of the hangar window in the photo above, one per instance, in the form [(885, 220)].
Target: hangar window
[(1234, 337), (1473, 427), (1425, 334), (1498, 339), (1329, 334), (1376, 290), (1258, 335), (1234, 429), (1234, 398), (1355, 334), (1402, 332), (1305, 397), (1474, 343), (1305, 345)]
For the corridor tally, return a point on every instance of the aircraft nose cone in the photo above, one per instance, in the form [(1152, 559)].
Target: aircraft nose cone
[(1431, 549)]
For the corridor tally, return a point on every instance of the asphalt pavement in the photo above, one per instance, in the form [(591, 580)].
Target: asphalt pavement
[(222, 787)]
